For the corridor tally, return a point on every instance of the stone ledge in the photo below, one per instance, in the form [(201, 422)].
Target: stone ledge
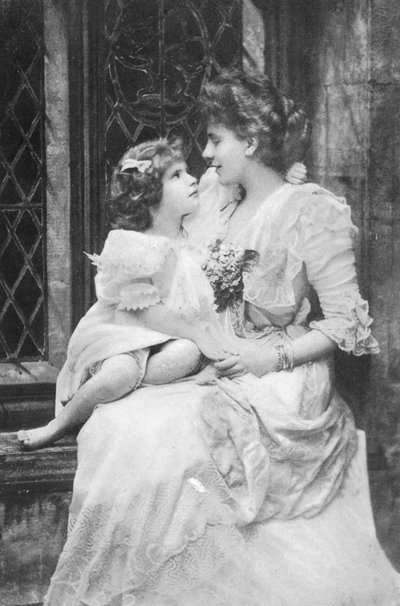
[(27, 376), (17, 413), (45, 470)]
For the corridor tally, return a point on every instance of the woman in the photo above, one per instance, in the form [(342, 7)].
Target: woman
[(246, 486)]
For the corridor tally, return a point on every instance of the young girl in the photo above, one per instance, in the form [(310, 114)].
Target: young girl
[(149, 288), (155, 316)]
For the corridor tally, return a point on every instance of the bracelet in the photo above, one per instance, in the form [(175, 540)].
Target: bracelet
[(285, 357)]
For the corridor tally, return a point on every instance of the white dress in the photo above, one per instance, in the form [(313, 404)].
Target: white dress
[(250, 492), (125, 284)]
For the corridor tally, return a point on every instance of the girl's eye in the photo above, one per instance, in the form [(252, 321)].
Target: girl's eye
[(176, 174)]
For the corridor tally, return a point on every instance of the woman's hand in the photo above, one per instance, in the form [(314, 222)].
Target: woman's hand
[(255, 360)]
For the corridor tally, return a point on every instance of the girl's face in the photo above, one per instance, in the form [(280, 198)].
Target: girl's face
[(227, 153), (180, 196)]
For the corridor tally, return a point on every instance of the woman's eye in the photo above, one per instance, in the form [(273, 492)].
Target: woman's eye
[(176, 174)]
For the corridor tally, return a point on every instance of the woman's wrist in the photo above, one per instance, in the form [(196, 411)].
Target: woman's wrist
[(285, 355), (264, 360)]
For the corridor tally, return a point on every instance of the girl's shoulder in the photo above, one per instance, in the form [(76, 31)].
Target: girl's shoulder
[(133, 251), (119, 238)]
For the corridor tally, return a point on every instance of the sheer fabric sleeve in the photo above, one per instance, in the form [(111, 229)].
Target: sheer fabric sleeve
[(327, 247), (127, 267)]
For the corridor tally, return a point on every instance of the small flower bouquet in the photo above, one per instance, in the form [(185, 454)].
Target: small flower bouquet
[(224, 268)]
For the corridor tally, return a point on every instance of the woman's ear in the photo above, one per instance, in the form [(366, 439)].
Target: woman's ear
[(252, 144)]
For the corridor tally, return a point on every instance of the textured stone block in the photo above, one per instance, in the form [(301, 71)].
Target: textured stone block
[(384, 169), (347, 129), (343, 41), (34, 530), (58, 181), (385, 41)]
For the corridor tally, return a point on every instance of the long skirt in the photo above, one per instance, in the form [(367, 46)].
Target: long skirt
[(251, 492)]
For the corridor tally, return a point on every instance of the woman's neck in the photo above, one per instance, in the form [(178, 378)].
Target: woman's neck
[(167, 226), (259, 182)]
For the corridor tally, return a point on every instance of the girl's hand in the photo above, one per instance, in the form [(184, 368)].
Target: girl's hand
[(297, 174), (207, 376), (251, 360)]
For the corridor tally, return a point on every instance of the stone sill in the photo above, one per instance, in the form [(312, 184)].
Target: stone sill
[(46, 470), (18, 378)]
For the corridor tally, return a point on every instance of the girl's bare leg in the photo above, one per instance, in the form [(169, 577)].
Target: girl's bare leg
[(175, 360), (117, 377)]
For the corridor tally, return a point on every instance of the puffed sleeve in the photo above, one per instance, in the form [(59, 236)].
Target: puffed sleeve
[(126, 269), (328, 253)]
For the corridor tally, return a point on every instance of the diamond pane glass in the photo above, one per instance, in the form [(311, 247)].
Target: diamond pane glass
[(158, 54), (22, 182)]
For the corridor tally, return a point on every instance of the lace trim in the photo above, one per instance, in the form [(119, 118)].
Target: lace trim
[(352, 333), (138, 296)]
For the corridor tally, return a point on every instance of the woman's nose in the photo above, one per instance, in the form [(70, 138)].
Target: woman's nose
[(207, 151)]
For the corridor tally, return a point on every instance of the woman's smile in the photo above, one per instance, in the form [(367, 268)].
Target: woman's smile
[(226, 153)]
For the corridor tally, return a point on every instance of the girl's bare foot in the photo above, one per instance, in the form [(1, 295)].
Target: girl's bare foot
[(31, 439)]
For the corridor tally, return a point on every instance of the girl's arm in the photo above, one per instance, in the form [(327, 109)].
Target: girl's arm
[(208, 337), (206, 334)]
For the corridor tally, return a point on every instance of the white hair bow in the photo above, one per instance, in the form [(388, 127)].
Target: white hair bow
[(141, 165)]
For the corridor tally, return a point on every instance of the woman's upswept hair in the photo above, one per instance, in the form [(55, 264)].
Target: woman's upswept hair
[(251, 106), (134, 192)]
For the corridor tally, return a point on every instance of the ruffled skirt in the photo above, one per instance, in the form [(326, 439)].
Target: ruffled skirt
[(244, 493)]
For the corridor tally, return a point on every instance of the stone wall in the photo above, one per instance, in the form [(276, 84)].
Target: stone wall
[(355, 102), (34, 532), (356, 138)]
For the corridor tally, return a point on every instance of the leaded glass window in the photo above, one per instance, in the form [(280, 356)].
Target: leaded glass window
[(158, 53), (22, 181)]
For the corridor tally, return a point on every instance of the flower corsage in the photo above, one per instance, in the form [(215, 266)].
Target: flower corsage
[(224, 269)]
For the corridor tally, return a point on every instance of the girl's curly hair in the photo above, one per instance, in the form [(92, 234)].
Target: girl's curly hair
[(251, 106), (134, 193)]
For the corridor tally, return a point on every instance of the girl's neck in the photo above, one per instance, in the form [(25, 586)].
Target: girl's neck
[(260, 182), (169, 227)]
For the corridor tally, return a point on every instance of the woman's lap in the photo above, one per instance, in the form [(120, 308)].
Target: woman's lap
[(151, 508)]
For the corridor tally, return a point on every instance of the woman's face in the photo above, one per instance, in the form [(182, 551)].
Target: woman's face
[(226, 152), (180, 196)]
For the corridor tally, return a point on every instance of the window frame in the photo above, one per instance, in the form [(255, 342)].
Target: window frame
[(25, 383)]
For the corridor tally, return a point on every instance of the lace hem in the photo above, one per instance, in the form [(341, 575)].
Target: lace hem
[(351, 333)]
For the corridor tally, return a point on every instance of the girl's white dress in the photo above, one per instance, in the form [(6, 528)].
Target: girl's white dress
[(126, 282), (250, 492)]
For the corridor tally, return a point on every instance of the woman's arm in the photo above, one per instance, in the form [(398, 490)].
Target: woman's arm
[(325, 237), (260, 359)]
